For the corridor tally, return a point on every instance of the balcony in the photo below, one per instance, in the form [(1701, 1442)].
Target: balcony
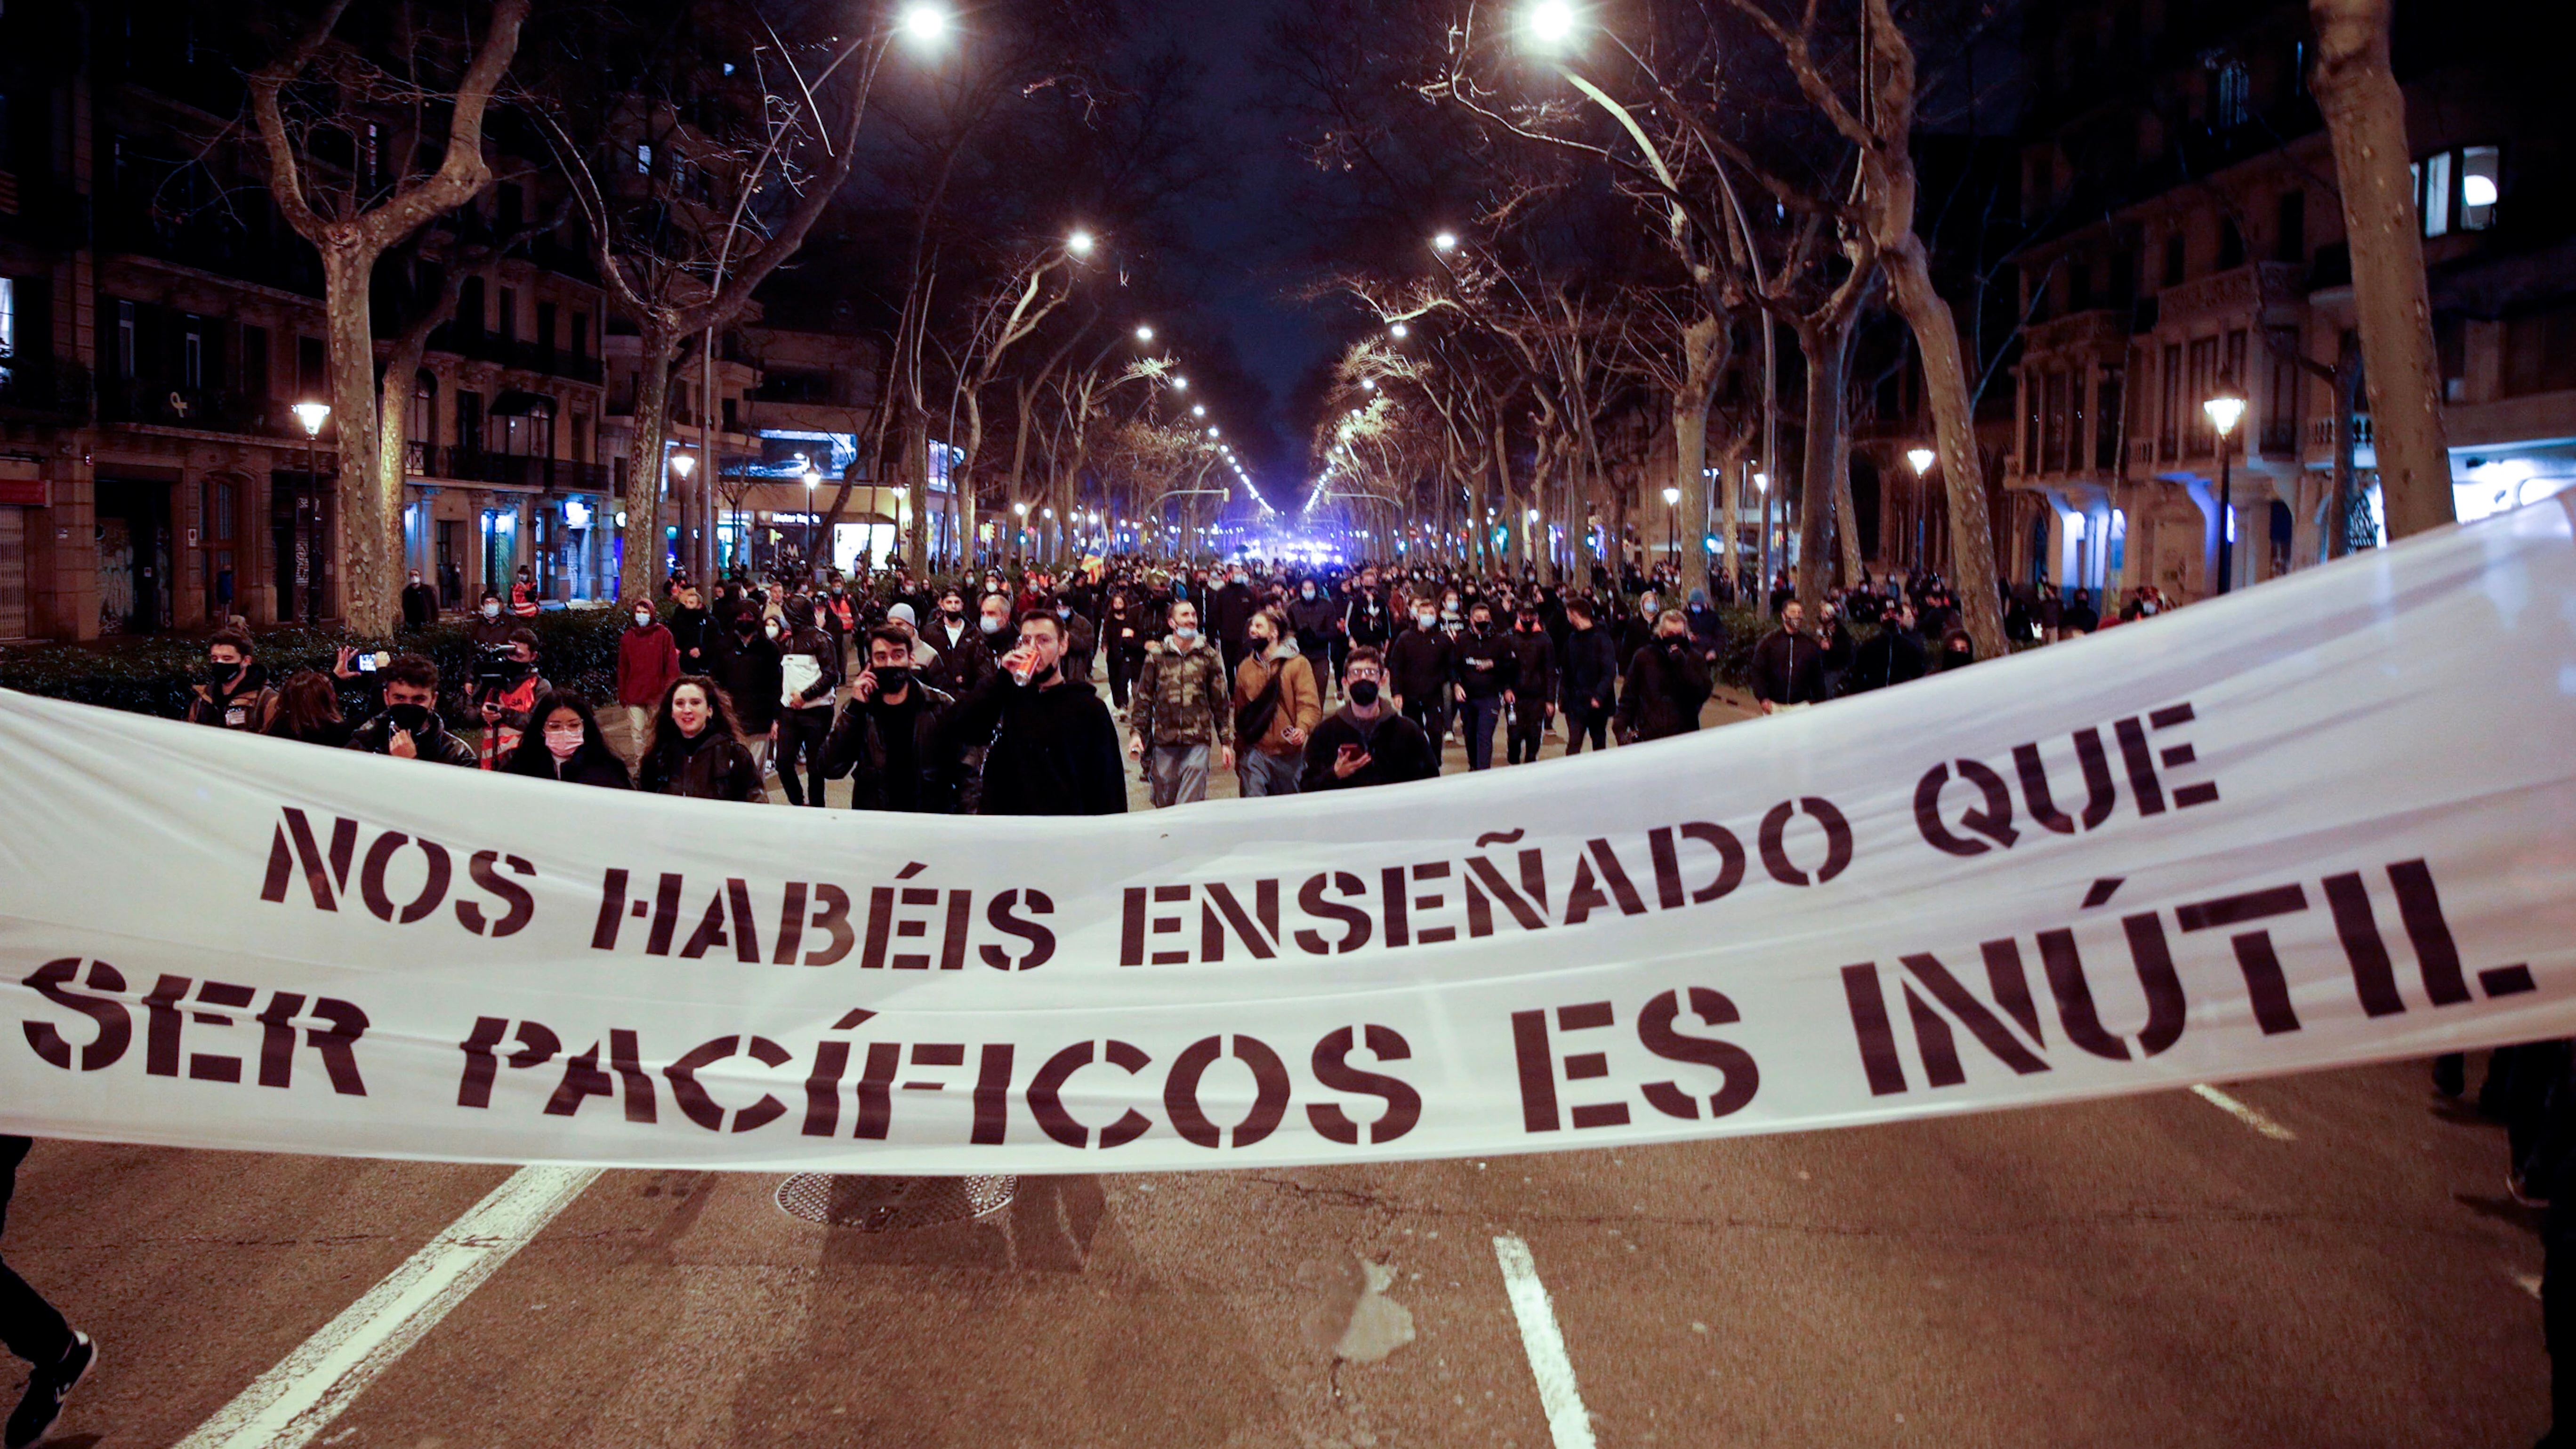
[(512, 352), (208, 242), (2280, 437), (206, 409), (473, 465), (57, 388), (2321, 432)]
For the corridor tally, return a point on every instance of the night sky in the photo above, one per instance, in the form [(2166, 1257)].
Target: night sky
[(1244, 237)]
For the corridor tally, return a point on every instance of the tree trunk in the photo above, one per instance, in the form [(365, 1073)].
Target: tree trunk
[(1846, 532), (1825, 343), (370, 520), (914, 469), (1705, 347), (2365, 115), (639, 571), (1954, 424)]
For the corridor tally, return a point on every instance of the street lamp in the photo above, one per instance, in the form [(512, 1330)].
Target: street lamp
[(1144, 334), (1180, 384), (1399, 332), (1079, 243), (1198, 410), (1550, 22), (312, 415), (925, 22), (813, 525), (2224, 412), (1922, 459), (1445, 242), (1673, 523)]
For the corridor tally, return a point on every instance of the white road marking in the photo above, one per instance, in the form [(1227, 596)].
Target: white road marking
[(1567, 1423), (291, 1403), (2245, 1114)]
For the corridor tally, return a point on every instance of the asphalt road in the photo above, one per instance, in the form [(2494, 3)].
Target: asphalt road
[(2151, 1271)]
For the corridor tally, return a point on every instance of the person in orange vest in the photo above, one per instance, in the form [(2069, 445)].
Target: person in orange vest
[(523, 595)]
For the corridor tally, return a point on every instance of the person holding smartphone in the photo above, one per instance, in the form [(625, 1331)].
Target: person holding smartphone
[(1364, 742)]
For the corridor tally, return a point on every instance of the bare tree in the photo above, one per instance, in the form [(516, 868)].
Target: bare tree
[(353, 215), (2365, 115)]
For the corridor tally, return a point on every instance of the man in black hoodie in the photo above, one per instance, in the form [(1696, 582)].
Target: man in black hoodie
[(1364, 742), (1590, 686), (897, 741), (1533, 686), (1420, 669), (1893, 655), (1054, 747), (1666, 685), (747, 670)]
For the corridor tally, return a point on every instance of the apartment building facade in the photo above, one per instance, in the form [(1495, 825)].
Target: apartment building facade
[(2193, 248)]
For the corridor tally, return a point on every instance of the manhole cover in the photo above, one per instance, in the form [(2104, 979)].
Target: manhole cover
[(891, 1204)]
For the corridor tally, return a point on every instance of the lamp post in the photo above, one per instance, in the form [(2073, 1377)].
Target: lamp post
[(1922, 459), (1762, 584), (813, 525), (1673, 524), (312, 415), (681, 466), (2224, 412)]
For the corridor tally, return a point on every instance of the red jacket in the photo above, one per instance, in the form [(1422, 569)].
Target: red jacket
[(648, 659)]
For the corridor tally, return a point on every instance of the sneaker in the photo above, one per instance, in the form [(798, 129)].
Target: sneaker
[(46, 1390)]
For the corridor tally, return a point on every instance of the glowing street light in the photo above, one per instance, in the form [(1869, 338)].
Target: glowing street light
[(925, 22), (1021, 509), (1368, 384), (2225, 411), (1080, 243), (1144, 334), (1399, 332), (1446, 241), (312, 415), (1550, 22), (1922, 459), (683, 464), (1180, 384), (1198, 410)]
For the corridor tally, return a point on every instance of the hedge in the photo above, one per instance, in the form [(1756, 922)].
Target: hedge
[(576, 650)]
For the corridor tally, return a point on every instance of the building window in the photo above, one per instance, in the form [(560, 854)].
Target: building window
[(125, 340), (2231, 88), (2458, 190), (2030, 389), (192, 354), (2052, 431), (643, 158), (2200, 381), (2290, 227), (2106, 421), (8, 325), (2231, 245), (2169, 404)]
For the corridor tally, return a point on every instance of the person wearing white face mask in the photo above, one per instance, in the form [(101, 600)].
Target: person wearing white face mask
[(488, 629), (566, 746), (648, 659), (1421, 668), (419, 603)]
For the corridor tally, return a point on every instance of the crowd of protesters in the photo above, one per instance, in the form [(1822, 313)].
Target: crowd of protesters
[(983, 693)]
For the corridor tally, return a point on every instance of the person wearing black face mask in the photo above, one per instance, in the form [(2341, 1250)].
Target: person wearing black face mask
[(748, 668), (897, 740), (1488, 676), (1366, 742), (1533, 687), (235, 692), (1667, 683), (409, 728)]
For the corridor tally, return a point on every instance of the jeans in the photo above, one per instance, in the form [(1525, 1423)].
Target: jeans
[(1476, 719), (31, 1327), (1262, 773), (1528, 727), (1581, 720), (1179, 774), (1122, 676), (801, 732), (1320, 661)]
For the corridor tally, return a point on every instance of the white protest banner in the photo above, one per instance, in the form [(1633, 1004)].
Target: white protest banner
[(2329, 821)]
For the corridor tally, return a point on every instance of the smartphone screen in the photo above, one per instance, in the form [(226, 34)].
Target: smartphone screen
[(366, 664)]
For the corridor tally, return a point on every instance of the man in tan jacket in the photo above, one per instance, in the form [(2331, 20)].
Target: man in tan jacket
[(1276, 706)]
